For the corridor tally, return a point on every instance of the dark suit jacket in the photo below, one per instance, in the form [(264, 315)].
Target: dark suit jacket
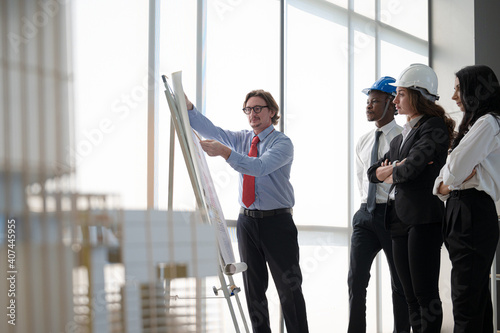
[(414, 179)]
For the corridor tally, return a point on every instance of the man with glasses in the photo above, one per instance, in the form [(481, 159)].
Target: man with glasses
[(266, 231), (369, 235)]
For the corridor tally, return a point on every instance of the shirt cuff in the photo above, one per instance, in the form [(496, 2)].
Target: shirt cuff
[(194, 110), (447, 178), (435, 189), (233, 158)]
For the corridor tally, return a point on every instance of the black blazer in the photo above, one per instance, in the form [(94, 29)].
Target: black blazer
[(414, 179)]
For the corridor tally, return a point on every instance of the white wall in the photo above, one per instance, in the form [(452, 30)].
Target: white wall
[(486, 29), (452, 47)]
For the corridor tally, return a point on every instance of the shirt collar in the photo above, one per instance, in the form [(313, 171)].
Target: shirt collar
[(387, 127), (415, 120), (262, 135)]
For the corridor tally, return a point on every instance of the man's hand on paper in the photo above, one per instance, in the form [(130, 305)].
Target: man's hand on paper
[(188, 103), (215, 148)]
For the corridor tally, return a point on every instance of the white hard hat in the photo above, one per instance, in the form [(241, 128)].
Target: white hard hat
[(420, 77)]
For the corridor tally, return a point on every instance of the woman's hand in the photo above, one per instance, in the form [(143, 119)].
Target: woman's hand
[(401, 162), (384, 171), (445, 189), (471, 175)]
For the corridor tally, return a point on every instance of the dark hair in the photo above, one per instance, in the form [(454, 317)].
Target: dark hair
[(427, 107), (271, 103), (479, 94)]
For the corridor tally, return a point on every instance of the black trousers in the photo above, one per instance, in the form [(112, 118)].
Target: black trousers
[(471, 236), (272, 240), (417, 256), (369, 236)]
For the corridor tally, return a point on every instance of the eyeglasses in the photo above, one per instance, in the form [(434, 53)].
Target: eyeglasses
[(255, 109)]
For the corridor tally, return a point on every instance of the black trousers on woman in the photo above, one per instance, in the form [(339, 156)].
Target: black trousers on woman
[(417, 256), (272, 240), (471, 236)]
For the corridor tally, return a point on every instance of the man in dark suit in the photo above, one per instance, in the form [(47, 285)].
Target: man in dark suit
[(368, 233)]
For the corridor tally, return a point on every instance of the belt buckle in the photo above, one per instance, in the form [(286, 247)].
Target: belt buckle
[(257, 214)]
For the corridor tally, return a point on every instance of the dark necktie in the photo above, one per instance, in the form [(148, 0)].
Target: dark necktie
[(248, 195), (371, 201)]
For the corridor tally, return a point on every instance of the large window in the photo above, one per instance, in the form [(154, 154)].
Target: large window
[(317, 114), (111, 71), (177, 52), (242, 55)]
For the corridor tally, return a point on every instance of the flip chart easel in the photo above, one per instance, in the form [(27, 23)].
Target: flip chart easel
[(204, 190)]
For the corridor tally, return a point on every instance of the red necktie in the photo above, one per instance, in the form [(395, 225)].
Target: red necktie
[(248, 195)]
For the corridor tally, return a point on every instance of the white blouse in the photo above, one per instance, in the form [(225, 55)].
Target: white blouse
[(479, 149)]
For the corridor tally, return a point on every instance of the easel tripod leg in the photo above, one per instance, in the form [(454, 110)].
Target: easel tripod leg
[(240, 308), (223, 283)]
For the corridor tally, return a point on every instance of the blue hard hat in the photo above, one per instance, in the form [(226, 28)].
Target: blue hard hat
[(383, 84)]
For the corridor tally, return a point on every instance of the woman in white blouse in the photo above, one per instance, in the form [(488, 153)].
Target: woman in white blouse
[(470, 184)]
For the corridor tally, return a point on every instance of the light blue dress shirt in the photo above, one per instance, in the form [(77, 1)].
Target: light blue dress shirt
[(271, 167)]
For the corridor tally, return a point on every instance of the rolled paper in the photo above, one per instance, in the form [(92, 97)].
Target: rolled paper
[(235, 268)]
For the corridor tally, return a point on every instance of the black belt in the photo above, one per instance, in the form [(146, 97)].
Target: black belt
[(265, 213), (464, 193), (363, 205)]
